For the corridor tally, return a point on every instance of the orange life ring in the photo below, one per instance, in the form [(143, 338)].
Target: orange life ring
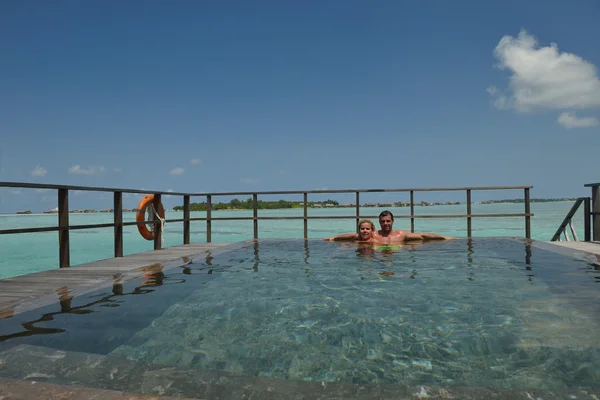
[(140, 216)]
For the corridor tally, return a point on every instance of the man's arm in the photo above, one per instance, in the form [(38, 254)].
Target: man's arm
[(345, 236), (425, 236)]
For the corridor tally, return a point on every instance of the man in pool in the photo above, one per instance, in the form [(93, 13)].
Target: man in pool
[(387, 235)]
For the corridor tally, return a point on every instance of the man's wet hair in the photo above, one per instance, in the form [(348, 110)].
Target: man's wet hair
[(386, 212)]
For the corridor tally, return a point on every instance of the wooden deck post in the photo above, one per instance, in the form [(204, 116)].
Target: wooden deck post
[(468, 213), (255, 214), (157, 224), (596, 211), (64, 253), (305, 215), (587, 229), (412, 211), (208, 218), (357, 211), (527, 216), (186, 219), (118, 219)]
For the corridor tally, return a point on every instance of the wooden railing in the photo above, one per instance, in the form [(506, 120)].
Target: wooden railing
[(595, 213), (567, 222), (64, 227)]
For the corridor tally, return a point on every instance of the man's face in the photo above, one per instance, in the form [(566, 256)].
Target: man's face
[(386, 223)]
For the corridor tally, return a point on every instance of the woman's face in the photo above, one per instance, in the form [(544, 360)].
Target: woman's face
[(365, 231)]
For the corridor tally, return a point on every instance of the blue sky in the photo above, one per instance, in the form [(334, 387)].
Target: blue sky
[(279, 95)]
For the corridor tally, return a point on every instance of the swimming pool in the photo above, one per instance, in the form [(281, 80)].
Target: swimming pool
[(487, 313)]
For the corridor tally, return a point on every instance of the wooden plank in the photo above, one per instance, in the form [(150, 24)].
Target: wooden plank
[(589, 247), (19, 291)]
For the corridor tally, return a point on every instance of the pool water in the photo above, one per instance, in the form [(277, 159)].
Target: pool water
[(482, 312)]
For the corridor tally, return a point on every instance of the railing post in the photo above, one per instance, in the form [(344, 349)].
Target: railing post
[(255, 214), (527, 216), (469, 213), (305, 215), (157, 224), (118, 219), (357, 211), (596, 211), (412, 211), (64, 254), (208, 220), (587, 229), (186, 219)]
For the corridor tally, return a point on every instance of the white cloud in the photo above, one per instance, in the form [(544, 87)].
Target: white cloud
[(249, 180), (42, 190), (92, 170), (543, 77), (39, 171), (116, 169), (195, 161), (492, 90), (14, 191), (168, 196), (570, 120), (177, 171)]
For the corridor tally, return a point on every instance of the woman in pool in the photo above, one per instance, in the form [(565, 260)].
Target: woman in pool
[(366, 227)]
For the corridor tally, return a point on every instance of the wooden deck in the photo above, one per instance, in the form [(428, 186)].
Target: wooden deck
[(24, 292), (588, 247)]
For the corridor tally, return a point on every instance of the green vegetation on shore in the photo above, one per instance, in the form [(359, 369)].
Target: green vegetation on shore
[(236, 204)]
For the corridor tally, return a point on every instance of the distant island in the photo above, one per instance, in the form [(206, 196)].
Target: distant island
[(523, 201), (236, 204)]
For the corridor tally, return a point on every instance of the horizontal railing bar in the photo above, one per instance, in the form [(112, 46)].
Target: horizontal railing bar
[(64, 228), (399, 216), (85, 188), (79, 227), (103, 189), (30, 230), (363, 190), (350, 216), (109, 225)]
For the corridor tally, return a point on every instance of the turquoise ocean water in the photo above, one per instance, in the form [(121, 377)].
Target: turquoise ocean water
[(32, 252)]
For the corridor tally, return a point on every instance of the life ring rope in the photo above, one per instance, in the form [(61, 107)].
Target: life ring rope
[(163, 223), (140, 216)]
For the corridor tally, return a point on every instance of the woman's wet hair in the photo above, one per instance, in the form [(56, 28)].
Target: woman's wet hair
[(367, 221)]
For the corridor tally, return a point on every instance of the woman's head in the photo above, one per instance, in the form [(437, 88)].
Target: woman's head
[(365, 229)]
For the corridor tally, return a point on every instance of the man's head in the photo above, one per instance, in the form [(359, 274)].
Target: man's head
[(386, 221)]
